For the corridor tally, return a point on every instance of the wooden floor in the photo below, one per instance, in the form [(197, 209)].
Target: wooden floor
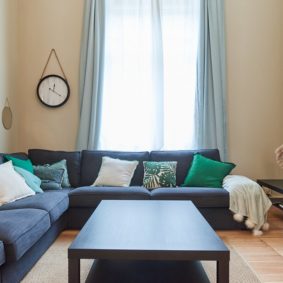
[(263, 254)]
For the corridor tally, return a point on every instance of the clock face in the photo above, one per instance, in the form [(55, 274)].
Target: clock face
[(53, 91)]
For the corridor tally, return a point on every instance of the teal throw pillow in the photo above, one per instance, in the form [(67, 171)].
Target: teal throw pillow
[(58, 165), (25, 164), (31, 180), (159, 174), (51, 179), (206, 172)]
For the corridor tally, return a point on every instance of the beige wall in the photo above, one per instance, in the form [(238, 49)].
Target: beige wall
[(43, 25), (255, 89), (255, 84), (8, 69)]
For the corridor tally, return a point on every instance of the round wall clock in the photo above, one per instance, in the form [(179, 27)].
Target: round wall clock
[(53, 91)]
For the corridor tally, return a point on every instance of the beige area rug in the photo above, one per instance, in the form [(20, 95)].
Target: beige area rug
[(53, 266)]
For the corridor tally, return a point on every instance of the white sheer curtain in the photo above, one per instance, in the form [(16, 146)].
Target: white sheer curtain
[(150, 74)]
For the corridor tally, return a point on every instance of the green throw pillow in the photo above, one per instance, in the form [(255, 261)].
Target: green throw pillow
[(31, 180), (58, 165), (159, 174), (205, 172), (24, 164)]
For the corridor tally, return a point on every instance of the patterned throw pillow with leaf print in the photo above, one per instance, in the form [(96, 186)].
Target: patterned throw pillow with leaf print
[(159, 174)]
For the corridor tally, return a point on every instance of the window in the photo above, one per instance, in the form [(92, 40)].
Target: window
[(149, 74)]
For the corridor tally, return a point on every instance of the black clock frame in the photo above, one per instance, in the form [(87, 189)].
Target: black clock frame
[(53, 106)]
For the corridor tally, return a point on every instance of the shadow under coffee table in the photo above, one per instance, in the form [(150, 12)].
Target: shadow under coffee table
[(147, 241)]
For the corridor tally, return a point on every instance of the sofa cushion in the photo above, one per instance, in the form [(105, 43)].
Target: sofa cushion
[(20, 229), (20, 155), (51, 179), (91, 196), (115, 172), (54, 202), (31, 180), (56, 170), (12, 185), (2, 253), (24, 164), (91, 163), (184, 159), (201, 197), (159, 174), (41, 157), (205, 172)]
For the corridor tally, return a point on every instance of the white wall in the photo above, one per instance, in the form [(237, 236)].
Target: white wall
[(8, 70)]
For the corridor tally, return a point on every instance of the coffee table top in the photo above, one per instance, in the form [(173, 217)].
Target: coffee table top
[(133, 229)]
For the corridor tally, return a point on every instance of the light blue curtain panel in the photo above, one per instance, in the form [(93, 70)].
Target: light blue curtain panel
[(91, 74), (210, 107)]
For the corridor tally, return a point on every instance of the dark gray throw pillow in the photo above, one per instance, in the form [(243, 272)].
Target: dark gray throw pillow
[(50, 185), (58, 165), (51, 179)]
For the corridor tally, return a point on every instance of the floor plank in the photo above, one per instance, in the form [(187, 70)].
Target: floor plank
[(264, 254)]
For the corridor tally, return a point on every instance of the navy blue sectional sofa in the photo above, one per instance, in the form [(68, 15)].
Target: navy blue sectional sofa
[(30, 225)]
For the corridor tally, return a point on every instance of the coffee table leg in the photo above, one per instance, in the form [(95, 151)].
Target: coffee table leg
[(223, 271), (74, 270)]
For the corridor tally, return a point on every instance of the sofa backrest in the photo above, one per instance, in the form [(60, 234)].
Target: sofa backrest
[(83, 167), (184, 159), (42, 156), (91, 162)]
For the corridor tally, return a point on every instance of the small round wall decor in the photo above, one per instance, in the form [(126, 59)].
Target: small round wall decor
[(7, 116)]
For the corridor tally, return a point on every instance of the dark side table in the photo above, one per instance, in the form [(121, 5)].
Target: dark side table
[(274, 185)]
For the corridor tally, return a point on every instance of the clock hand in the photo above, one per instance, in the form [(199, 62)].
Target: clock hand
[(55, 92), (53, 87)]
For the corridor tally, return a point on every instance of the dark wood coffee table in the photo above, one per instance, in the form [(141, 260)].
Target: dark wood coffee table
[(138, 233), (275, 185)]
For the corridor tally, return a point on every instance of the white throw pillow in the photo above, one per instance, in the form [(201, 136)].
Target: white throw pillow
[(115, 172), (12, 185)]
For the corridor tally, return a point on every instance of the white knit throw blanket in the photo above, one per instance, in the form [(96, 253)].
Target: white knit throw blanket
[(248, 201)]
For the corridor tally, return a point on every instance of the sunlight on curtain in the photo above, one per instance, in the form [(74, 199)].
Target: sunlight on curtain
[(150, 74)]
